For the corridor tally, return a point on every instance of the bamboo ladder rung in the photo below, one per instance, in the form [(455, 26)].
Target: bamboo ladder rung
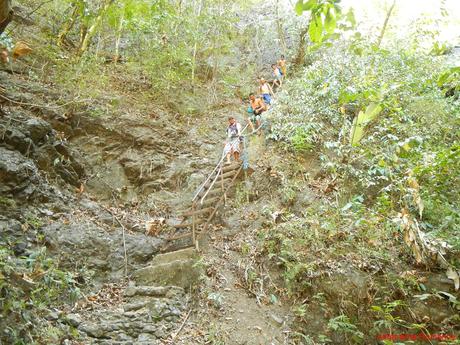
[(217, 182), (187, 225), (215, 190), (232, 167), (184, 235), (178, 237), (190, 212), (217, 185), (208, 202), (220, 200), (228, 174)]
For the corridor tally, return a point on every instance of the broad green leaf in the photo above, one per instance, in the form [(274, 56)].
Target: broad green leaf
[(351, 17), (449, 75), (309, 5), (360, 122), (330, 21), (372, 111), (299, 7), (316, 29)]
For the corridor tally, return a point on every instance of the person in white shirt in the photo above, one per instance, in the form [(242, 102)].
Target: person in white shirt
[(278, 77), (232, 144)]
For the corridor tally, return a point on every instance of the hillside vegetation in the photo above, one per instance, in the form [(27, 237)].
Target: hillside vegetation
[(345, 229)]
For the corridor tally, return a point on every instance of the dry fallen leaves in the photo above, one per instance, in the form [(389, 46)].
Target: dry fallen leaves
[(426, 250), (109, 295), (154, 226), (21, 48)]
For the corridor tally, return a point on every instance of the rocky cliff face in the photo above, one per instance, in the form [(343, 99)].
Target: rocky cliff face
[(83, 187)]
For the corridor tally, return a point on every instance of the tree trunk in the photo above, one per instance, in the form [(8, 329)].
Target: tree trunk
[(385, 23), (67, 27), (117, 42), (88, 35), (300, 56), (6, 14), (195, 46), (280, 29), (194, 63)]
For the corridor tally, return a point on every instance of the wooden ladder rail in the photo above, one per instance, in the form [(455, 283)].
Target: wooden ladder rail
[(194, 241), (218, 170), (195, 234), (222, 198)]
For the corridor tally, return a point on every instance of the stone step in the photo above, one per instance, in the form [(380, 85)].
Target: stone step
[(182, 272), (182, 254), (152, 291)]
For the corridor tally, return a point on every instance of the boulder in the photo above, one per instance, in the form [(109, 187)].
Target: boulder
[(16, 172), (17, 140), (142, 248), (98, 248), (38, 129), (176, 268)]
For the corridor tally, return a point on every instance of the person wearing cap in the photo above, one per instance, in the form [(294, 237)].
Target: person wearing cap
[(232, 144)]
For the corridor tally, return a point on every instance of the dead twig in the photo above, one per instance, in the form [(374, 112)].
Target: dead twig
[(182, 325), (42, 105)]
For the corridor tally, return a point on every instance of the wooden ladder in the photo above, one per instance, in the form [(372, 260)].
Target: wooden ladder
[(210, 196)]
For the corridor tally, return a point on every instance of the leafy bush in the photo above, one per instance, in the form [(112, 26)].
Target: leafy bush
[(29, 286), (411, 131), (381, 127)]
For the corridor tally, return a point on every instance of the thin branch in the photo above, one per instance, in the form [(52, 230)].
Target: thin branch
[(38, 7), (42, 105), (385, 23), (182, 325)]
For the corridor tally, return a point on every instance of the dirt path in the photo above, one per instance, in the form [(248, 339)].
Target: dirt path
[(229, 312)]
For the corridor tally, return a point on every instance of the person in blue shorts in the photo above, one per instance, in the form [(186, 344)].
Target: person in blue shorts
[(256, 108), (266, 91)]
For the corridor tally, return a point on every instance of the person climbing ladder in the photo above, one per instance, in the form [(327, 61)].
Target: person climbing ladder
[(282, 66), (256, 108), (266, 91), (278, 78), (232, 144)]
